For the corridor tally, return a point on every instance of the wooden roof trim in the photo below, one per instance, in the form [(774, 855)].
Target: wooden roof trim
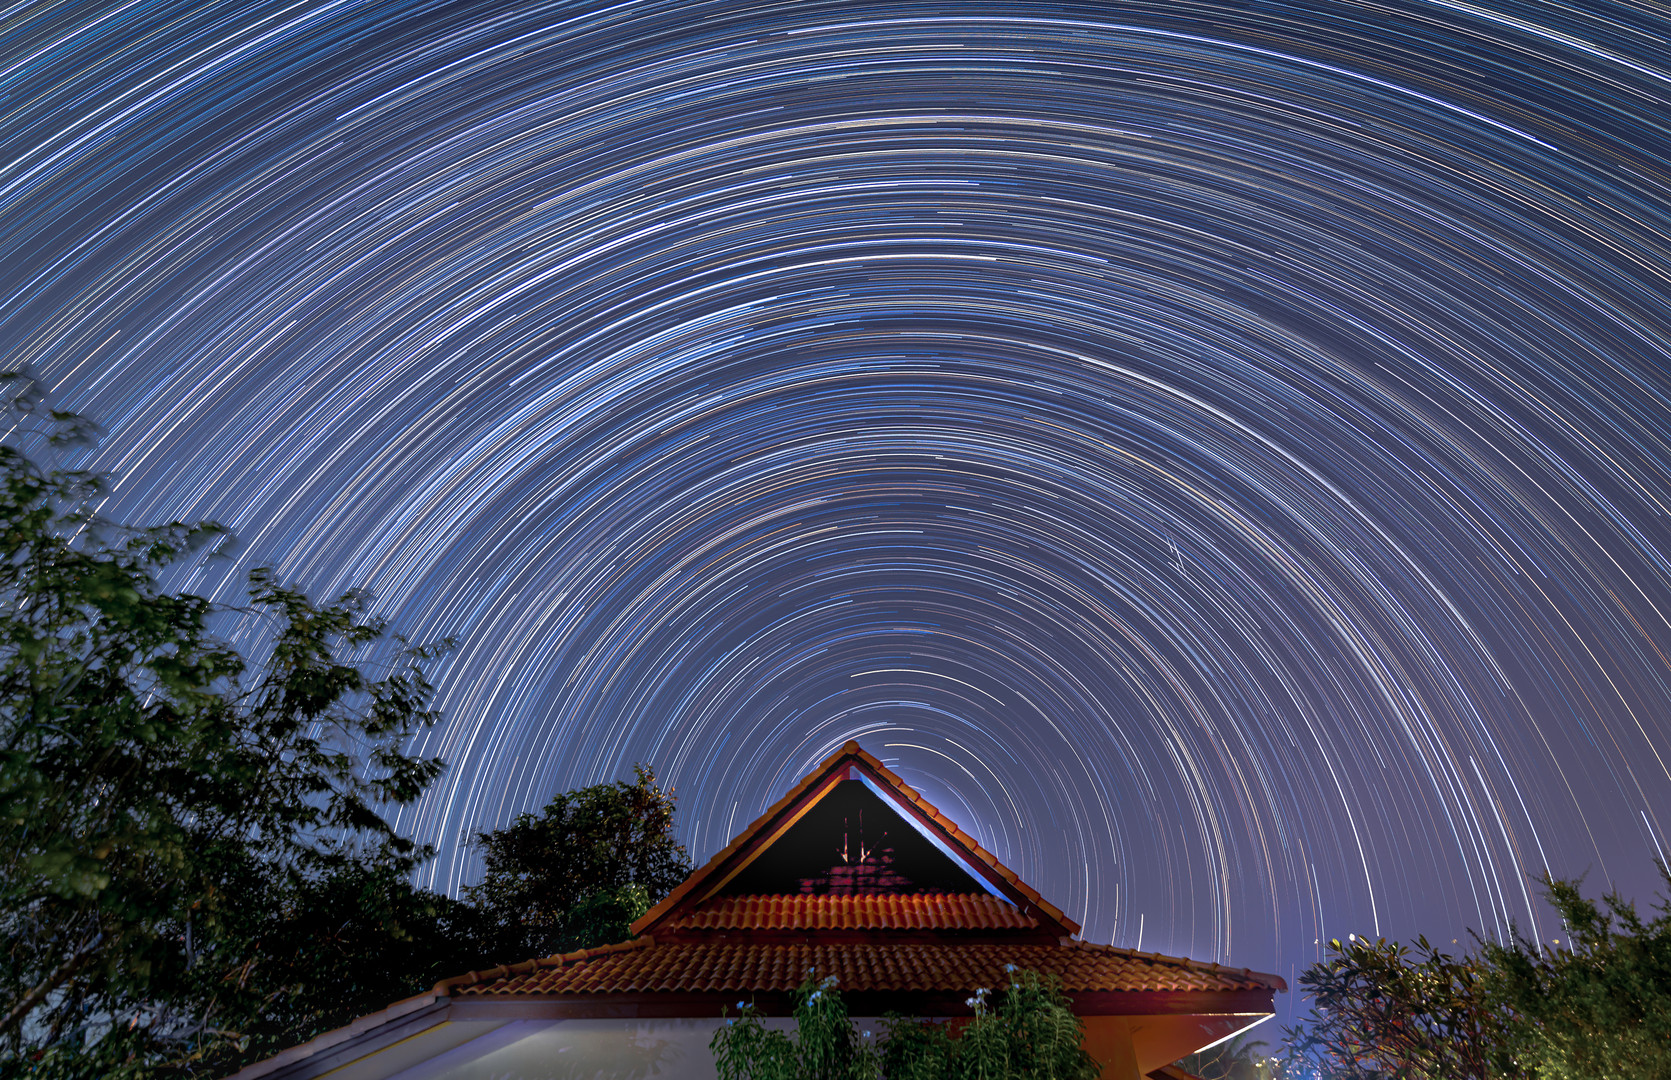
[(676, 899), (730, 860), (1029, 896)]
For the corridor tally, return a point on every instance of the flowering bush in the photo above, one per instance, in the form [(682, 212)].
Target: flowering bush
[(1025, 1032), (826, 1046)]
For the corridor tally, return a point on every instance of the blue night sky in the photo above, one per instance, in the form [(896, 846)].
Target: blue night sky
[(1217, 453)]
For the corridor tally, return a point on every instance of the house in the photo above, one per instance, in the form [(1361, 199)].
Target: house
[(851, 874)]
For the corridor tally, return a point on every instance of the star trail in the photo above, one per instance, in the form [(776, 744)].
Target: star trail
[(1217, 453)]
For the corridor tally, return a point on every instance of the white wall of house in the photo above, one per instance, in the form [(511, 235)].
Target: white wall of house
[(577, 1050), (675, 1049)]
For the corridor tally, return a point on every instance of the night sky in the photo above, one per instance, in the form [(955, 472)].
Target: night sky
[(1217, 454)]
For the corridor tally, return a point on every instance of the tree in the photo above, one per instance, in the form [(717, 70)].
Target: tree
[(196, 869), (579, 872), (1383, 1010), (160, 799), (329, 948), (1599, 1006)]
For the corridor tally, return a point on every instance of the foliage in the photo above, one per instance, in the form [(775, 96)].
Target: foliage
[(1381, 1009), (333, 947), (825, 1047), (915, 1049), (1599, 1006), (576, 874), (196, 870), (160, 798), (1028, 1033), (1241, 1057), (603, 917), (746, 1049), (1044, 1037)]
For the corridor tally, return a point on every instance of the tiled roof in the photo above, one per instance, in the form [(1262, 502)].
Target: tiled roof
[(643, 966), (851, 755), (923, 911)]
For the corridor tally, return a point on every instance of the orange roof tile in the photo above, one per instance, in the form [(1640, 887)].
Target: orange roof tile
[(644, 966), (921, 911), (851, 756)]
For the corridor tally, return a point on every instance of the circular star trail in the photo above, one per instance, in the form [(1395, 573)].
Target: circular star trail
[(1219, 456)]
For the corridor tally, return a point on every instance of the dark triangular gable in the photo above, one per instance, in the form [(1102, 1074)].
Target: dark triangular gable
[(851, 843), (811, 841)]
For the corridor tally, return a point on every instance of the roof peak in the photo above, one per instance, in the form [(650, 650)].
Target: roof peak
[(940, 857)]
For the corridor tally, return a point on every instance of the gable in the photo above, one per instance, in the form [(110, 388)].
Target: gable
[(851, 843), (853, 828)]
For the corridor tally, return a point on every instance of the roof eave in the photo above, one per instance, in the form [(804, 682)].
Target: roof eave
[(354, 1040)]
